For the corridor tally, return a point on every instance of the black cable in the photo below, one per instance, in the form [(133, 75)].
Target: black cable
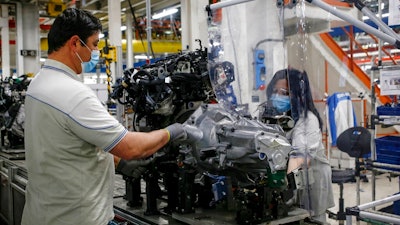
[(268, 40), (137, 27)]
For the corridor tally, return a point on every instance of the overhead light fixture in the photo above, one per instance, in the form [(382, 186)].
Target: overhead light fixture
[(165, 13), (383, 16)]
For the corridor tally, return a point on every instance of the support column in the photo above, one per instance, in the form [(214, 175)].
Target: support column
[(5, 42), (115, 34), (129, 40), (185, 24), (148, 28), (27, 38), (194, 23)]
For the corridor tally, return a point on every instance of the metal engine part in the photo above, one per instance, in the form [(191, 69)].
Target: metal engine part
[(231, 162), (237, 143), (12, 113)]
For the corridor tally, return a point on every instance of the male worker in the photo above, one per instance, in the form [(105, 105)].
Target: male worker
[(69, 134)]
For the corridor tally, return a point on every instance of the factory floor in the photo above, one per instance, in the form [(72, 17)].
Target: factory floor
[(385, 186)]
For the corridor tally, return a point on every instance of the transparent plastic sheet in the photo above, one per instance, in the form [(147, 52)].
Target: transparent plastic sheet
[(306, 87), (240, 47), (248, 44)]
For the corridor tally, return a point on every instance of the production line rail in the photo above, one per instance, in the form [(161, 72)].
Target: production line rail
[(137, 215), (12, 195)]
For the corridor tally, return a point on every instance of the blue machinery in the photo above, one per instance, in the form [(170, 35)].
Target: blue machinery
[(260, 69)]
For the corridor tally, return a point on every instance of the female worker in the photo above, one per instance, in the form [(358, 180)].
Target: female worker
[(289, 93)]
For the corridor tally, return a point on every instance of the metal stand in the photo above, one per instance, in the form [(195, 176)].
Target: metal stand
[(151, 194), (133, 191), (359, 211)]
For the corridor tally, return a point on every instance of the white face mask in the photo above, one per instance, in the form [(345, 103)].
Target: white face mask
[(94, 59)]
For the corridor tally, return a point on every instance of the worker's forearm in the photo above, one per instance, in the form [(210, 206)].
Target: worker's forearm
[(136, 145)]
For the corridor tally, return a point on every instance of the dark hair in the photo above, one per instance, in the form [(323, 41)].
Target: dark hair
[(300, 93), (280, 75), (70, 22)]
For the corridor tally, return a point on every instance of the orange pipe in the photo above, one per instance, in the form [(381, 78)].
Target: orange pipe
[(384, 59), (353, 40), (339, 3), (387, 134), (337, 50), (383, 49)]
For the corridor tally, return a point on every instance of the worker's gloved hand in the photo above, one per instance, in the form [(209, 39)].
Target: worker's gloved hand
[(176, 132), (132, 168), (184, 132)]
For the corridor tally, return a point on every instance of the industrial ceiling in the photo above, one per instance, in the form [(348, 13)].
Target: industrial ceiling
[(100, 8)]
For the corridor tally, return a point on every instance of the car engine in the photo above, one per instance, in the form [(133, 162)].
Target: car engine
[(229, 162)]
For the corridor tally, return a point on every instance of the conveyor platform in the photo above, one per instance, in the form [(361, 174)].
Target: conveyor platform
[(12, 196)]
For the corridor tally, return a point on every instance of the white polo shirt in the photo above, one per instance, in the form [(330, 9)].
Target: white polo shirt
[(68, 134)]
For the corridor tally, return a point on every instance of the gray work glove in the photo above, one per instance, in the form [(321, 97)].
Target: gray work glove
[(176, 132), (184, 132), (132, 168)]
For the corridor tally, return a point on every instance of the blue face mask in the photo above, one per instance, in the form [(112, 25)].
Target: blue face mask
[(281, 102), (94, 59)]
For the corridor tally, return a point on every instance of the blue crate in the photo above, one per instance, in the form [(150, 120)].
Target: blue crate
[(388, 149), (388, 110), (386, 158)]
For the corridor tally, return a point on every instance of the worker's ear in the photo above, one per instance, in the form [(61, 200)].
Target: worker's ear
[(73, 42)]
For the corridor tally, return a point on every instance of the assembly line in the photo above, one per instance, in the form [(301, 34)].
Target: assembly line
[(265, 114)]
